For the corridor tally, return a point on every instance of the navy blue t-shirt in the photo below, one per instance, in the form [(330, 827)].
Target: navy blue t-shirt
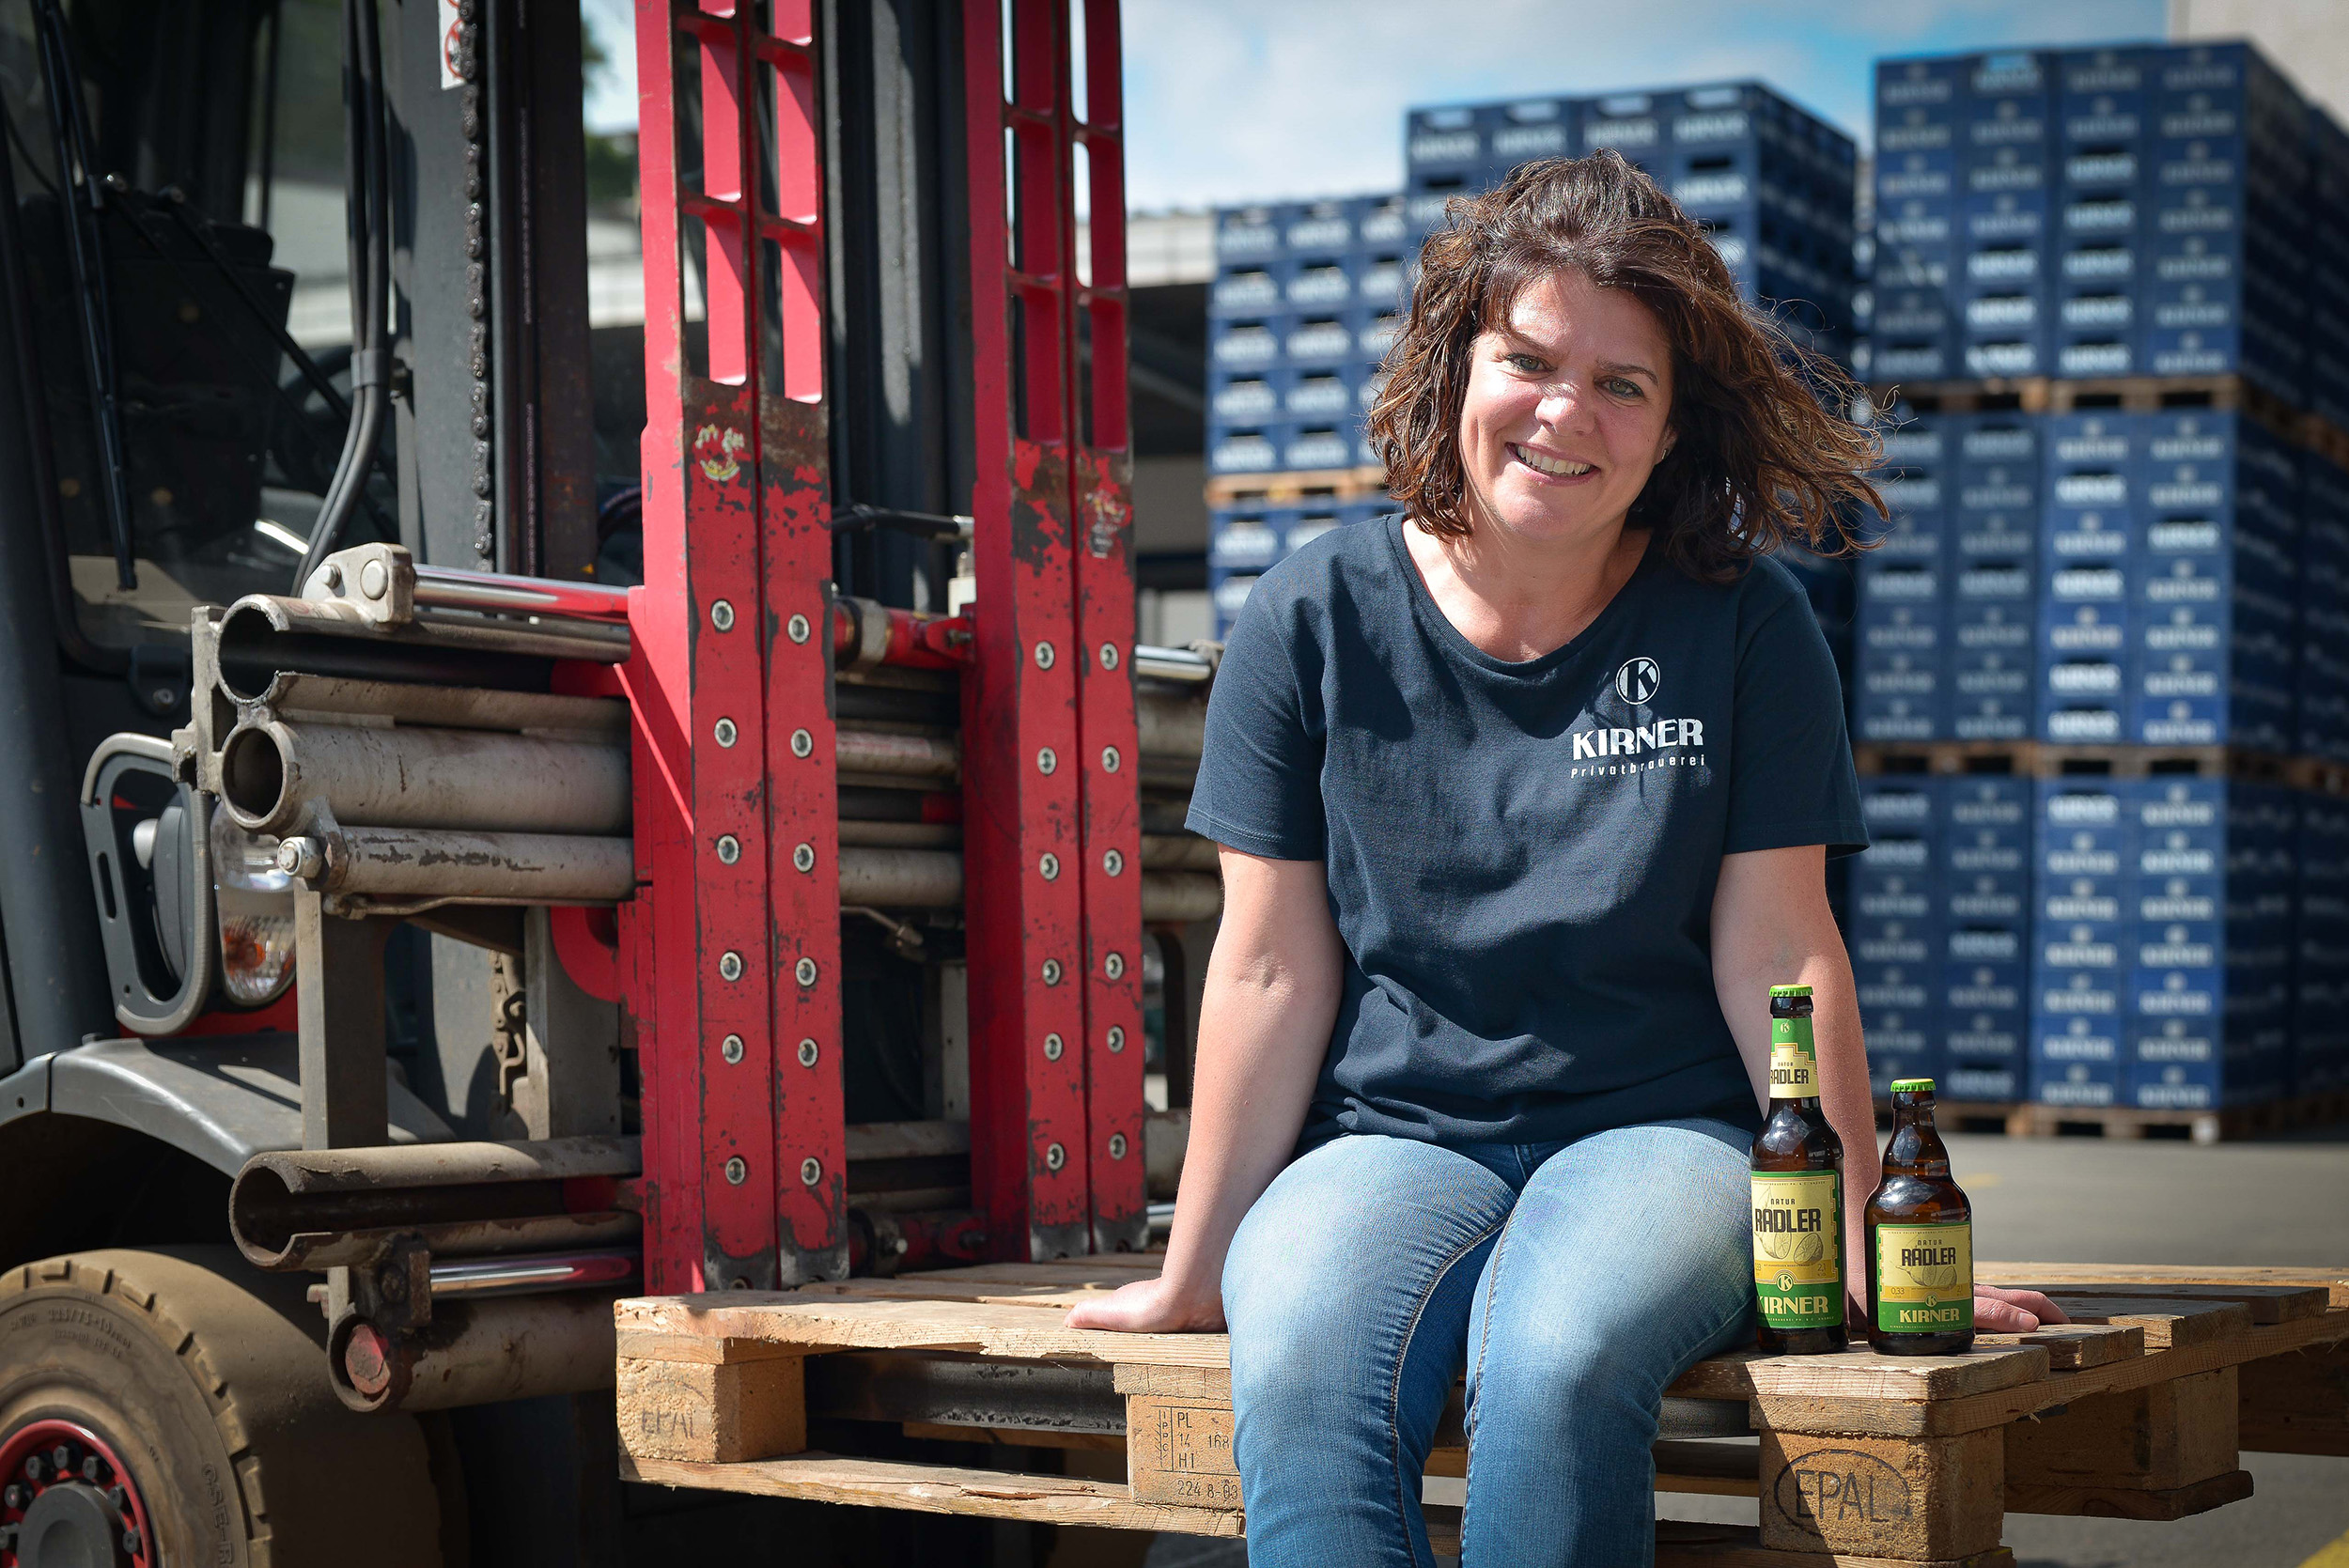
[(1522, 855)]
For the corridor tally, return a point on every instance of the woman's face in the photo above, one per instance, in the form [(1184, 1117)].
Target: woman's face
[(1569, 408)]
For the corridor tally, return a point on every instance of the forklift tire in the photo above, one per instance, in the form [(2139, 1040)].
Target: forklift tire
[(186, 1396)]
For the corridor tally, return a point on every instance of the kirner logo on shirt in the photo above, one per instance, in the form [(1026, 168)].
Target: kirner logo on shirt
[(1637, 681), (1646, 742)]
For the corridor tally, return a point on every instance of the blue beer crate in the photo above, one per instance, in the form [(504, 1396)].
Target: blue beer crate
[(1910, 946), (1889, 1060), (1529, 130), (1323, 444), (1636, 124), (1887, 894), (1918, 174), (1906, 988), (1444, 148), (2077, 1085), (1324, 338), (1323, 228), (1989, 1036), (1990, 696), (2001, 535), (1257, 448), (1985, 898), (1980, 1081), (1245, 397), (1982, 627), (1252, 287), (1247, 539), (1248, 234), (1253, 343), (1227, 591), (1898, 698)]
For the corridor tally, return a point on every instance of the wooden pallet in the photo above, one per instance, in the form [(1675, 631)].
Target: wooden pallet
[(2049, 760), (2029, 1119), (2132, 393), (2224, 1124), (1288, 488), (2138, 1409)]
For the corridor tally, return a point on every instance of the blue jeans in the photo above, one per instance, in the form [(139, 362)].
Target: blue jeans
[(1575, 1281)]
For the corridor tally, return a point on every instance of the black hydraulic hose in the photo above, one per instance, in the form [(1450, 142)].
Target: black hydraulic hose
[(85, 198), (368, 206)]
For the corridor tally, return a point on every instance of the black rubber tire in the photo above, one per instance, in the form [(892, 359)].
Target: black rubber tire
[(210, 1380)]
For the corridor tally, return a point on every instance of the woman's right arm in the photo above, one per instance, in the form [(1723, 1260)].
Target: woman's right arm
[(1273, 987)]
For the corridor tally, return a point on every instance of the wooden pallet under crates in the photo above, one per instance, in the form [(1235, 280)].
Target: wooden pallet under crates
[(2137, 1409)]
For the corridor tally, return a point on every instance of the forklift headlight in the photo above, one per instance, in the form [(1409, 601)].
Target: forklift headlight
[(257, 920)]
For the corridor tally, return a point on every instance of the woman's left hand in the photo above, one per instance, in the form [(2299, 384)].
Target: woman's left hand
[(2000, 1311)]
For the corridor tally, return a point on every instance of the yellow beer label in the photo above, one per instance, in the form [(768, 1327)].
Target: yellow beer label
[(1798, 1247), (1926, 1277), (1793, 1060)]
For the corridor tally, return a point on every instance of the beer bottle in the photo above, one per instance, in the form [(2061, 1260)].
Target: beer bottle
[(1921, 1239), (1797, 1195)]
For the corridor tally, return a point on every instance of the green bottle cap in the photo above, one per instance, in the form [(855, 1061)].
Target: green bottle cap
[(1912, 1085), (1790, 990)]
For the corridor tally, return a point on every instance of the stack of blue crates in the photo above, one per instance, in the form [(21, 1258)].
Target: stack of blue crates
[(2099, 577), (1984, 902), (1304, 309), (2320, 1017), (2117, 211), (1772, 183), (1944, 646), (2163, 940), (1245, 540), (1938, 929), (2321, 673), (1894, 927), (2170, 612), (2327, 321), (1305, 303)]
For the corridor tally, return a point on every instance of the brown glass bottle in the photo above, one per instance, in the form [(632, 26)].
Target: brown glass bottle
[(1799, 1263), (1921, 1239)]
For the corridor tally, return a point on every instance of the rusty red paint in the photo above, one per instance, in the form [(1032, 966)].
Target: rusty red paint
[(1102, 505), (1056, 1146), (737, 539), (1028, 1137), (802, 810)]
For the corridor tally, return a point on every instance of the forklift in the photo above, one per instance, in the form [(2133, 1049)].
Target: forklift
[(508, 809)]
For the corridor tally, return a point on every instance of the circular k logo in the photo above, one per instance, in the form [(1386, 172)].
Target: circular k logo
[(1637, 681)]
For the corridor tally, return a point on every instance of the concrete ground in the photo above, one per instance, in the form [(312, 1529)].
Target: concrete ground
[(2084, 1200)]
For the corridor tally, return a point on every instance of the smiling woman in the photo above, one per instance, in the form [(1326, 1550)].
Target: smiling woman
[(1524, 796), (1766, 457)]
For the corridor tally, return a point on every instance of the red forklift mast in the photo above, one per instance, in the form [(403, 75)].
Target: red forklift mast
[(731, 954)]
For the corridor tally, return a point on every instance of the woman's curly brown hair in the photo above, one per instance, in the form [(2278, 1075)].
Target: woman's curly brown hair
[(1760, 461)]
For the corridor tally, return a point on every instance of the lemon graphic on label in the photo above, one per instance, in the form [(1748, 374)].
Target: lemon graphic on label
[(1935, 1277), (1775, 1244), (1810, 1247)]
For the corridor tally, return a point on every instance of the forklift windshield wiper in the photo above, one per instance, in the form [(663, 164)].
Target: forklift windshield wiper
[(69, 131), (851, 516)]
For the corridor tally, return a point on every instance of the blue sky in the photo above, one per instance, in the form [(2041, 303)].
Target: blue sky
[(1232, 100)]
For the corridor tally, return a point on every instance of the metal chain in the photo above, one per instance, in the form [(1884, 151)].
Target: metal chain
[(477, 280)]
